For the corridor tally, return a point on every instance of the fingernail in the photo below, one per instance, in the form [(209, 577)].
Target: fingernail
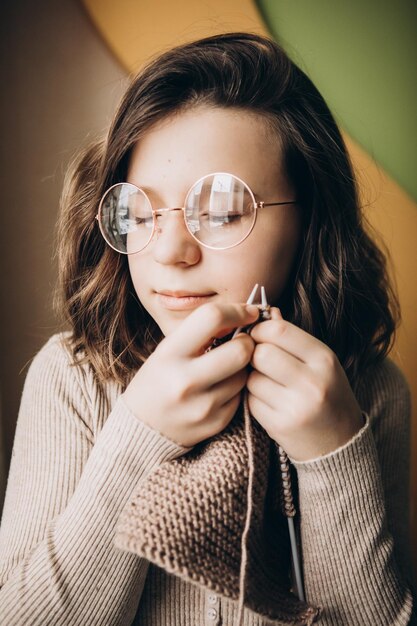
[(276, 313)]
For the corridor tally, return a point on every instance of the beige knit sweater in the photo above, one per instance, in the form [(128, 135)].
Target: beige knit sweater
[(78, 455)]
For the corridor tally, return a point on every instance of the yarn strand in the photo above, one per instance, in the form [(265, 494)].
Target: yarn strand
[(244, 559)]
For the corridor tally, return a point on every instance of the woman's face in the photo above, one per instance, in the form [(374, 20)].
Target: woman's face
[(165, 163)]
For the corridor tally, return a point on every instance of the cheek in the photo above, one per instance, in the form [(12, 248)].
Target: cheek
[(137, 273), (271, 253), (282, 248)]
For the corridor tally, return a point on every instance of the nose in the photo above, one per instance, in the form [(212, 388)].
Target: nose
[(173, 243)]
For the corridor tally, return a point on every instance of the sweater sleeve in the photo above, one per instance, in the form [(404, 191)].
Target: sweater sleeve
[(354, 515), (65, 491)]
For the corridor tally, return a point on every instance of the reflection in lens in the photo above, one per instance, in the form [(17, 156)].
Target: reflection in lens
[(126, 218), (219, 210)]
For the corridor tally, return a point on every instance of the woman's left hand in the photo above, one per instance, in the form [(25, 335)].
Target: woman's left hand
[(299, 392)]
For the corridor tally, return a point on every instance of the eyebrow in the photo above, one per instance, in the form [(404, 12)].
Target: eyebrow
[(150, 190), (154, 192)]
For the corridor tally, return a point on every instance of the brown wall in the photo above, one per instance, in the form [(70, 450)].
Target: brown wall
[(59, 87)]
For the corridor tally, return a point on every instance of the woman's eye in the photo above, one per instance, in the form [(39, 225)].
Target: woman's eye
[(143, 221), (225, 219)]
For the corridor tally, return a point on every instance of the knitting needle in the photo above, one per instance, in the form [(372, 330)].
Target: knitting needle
[(249, 301), (264, 301), (293, 540), (295, 560)]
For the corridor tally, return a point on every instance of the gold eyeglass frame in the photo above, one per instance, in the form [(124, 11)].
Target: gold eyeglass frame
[(155, 212)]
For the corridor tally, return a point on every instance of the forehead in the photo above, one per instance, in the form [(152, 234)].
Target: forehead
[(201, 140)]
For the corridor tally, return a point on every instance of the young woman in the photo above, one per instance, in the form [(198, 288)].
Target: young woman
[(223, 168)]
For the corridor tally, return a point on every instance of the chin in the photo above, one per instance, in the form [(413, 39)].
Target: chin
[(168, 326)]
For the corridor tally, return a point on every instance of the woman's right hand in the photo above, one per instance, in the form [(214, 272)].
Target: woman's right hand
[(183, 392)]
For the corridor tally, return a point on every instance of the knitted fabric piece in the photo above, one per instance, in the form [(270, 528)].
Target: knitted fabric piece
[(212, 517)]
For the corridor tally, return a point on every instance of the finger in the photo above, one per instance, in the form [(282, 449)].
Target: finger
[(289, 337), (227, 389), (277, 364), (219, 364), (265, 389), (205, 323), (264, 414), (221, 418), (276, 313)]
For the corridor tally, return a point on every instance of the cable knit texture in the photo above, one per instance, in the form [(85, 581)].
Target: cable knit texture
[(79, 461)]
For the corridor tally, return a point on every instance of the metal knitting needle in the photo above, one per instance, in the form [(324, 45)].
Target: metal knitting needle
[(264, 301), (264, 310), (295, 560), (290, 519), (216, 342), (249, 301)]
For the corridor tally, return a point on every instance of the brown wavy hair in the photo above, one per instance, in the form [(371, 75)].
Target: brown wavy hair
[(338, 290)]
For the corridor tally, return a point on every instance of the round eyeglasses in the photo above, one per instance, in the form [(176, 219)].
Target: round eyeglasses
[(219, 212)]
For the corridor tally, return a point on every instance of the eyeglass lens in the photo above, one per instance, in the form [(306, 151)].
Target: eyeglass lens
[(219, 212)]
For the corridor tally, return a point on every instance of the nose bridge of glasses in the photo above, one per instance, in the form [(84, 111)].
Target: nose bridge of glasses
[(160, 215), (167, 209), (161, 220)]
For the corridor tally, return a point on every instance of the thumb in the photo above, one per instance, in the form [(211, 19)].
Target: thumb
[(276, 313), (207, 322)]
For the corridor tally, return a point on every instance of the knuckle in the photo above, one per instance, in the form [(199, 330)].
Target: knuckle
[(182, 385), (243, 349), (238, 310), (262, 352), (319, 392), (256, 356), (214, 314), (222, 316), (198, 411), (328, 359), (281, 327), (229, 411), (266, 350), (206, 407)]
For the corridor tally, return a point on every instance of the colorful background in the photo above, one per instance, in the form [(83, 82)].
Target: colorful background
[(65, 65)]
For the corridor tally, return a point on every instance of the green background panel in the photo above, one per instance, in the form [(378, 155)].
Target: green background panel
[(362, 57)]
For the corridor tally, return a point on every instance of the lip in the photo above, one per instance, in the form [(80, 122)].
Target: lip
[(184, 294), (182, 300)]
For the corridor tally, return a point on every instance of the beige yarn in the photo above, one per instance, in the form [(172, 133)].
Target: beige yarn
[(213, 518)]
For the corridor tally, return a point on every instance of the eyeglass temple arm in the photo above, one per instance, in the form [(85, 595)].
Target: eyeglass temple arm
[(260, 205)]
